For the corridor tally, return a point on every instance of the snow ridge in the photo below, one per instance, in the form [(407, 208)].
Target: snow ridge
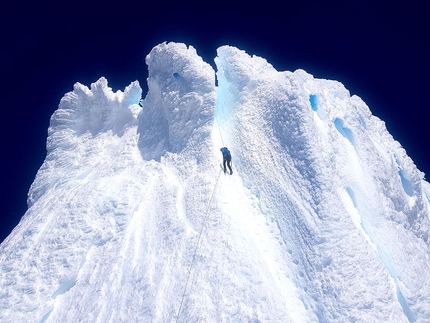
[(326, 218)]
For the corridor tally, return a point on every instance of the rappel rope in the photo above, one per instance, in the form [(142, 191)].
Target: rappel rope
[(220, 134), (200, 235), (197, 246)]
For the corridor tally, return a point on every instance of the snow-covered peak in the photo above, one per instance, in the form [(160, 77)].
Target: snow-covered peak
[(130, 219), (180, 100)]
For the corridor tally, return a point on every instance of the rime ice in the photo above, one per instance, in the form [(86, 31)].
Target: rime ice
[(326, 218)]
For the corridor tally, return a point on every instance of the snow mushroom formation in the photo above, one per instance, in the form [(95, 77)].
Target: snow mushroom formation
[(130, 218), (180, 100)]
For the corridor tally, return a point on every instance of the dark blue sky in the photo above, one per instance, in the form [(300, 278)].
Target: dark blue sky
[(378, 49)]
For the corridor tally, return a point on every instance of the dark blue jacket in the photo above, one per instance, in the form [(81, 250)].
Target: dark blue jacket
[(225, 151)]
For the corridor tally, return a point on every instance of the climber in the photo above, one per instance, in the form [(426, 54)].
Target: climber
[(226, 159)]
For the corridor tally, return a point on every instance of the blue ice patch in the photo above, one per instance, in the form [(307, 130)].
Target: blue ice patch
[(346, 132), (314, 102)]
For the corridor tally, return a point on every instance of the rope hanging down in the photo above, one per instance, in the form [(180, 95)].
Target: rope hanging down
[(219, 130), (197, 246)]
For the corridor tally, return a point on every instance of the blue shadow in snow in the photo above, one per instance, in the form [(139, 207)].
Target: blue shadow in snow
[(314, 102), (405, 306), (64, 287), (351, 195), (347, 133), (407, 185)]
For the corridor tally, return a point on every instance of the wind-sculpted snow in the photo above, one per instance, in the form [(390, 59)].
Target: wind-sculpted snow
[(181, 98), (329, 180), (83, 115), (325, 219)]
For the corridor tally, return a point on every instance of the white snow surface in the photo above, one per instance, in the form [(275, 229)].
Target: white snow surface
[(130, 218)]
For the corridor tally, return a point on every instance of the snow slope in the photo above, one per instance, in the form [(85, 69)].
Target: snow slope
[(130, 219)]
